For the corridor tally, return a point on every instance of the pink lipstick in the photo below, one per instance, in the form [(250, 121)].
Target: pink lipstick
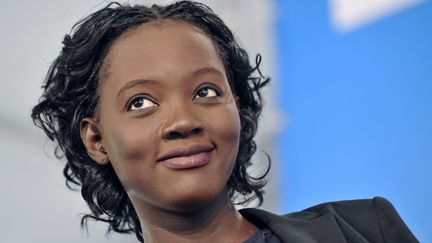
[(187, 158)]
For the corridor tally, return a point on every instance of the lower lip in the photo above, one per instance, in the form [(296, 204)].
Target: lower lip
[(188, 162)]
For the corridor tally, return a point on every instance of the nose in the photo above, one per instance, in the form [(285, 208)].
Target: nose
[(182, 122)]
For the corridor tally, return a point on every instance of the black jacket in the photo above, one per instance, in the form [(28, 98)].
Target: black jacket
[(355, 221)]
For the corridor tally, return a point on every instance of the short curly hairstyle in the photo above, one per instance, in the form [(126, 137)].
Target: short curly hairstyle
[(71, 94)]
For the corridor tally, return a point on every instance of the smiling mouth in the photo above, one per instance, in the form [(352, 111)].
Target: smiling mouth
[(187, 158)]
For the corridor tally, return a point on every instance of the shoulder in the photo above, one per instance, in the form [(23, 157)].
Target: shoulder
[(375, 217), (366, 220)]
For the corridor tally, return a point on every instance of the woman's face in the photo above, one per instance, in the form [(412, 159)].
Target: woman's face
[(168, 120)]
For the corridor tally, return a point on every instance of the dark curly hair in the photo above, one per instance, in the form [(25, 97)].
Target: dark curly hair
[(71, 94)]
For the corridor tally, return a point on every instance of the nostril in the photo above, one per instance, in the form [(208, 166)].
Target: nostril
[(182, 125), (197, 130), (175, 135), (182, 134)]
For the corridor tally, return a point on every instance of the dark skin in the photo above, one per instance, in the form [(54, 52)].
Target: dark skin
[(168, 123)]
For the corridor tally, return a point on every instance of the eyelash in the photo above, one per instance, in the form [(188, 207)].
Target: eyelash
[(208, 87), (130, 104)]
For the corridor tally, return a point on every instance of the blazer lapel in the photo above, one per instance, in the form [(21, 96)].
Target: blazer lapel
[(303, 226)]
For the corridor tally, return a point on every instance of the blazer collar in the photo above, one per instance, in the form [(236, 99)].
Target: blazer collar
[(302, 226)]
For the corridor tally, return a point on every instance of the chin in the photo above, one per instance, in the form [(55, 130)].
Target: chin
[(194, 200)]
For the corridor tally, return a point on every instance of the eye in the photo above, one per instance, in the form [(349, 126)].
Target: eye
[(207, 92), (140, 103)]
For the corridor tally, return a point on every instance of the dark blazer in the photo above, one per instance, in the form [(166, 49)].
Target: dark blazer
[(355, 221)]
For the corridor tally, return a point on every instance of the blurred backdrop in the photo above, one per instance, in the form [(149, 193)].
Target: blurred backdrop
[(348, 113)]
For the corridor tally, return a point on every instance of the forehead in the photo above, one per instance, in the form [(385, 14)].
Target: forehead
[(160, 47)]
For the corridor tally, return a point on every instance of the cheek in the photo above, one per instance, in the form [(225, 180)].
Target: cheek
[(230, 130), (225, 128), (225, 122), (131, 148)]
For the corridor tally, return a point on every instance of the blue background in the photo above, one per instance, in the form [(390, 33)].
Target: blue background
[(360, 109)]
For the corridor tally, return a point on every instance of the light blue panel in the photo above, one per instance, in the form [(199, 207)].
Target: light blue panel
[(360, 106)]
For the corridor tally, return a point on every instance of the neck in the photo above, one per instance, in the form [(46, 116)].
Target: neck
[(217, 222)]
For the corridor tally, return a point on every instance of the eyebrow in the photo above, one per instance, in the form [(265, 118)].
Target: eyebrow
[(140, 82), (134, 83), (206, 70)]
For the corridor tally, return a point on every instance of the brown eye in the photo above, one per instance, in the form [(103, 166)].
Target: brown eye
[(140, 103), (206, 92)]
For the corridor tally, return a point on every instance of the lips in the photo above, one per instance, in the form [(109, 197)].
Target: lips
[(187, 157)]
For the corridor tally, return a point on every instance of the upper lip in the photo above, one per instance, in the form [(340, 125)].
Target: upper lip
[(186, 151)]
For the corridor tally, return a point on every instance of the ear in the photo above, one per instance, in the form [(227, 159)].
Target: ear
[(237, 101), (92, 140)]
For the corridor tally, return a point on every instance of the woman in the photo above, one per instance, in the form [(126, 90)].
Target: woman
[(155, 110)]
